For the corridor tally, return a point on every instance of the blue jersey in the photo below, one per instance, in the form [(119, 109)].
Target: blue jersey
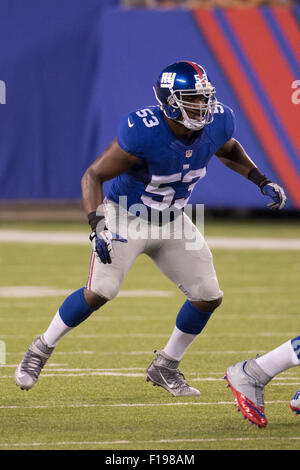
[(169, 167)]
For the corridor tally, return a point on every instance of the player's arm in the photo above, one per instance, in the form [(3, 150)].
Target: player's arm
[(113, 162), (233, 155)]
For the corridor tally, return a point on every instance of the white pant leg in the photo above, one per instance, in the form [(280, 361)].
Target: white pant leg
[(188, 263), (106, 279)]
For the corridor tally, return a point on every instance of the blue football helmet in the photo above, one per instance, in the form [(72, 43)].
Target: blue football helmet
[(186, 95)]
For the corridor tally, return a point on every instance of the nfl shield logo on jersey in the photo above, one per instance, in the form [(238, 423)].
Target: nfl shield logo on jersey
[(188, 153)]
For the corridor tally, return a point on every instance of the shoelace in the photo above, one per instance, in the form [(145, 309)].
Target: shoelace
[(259, 394), (32, 363), (259, 388), (176, 376)]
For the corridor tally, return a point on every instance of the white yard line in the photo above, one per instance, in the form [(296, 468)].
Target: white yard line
[(128, 405), (53, 367), (253, 243), (45, 291), (57, 367), (52, 371), (49, 238), (81, 238), (135, 353), (283, 334), (289, 334), (158, 441)]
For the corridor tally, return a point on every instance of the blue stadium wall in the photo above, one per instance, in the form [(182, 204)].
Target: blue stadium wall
[(69, 71)]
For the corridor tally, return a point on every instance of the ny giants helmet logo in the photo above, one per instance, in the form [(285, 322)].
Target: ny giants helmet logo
[(167, 80)]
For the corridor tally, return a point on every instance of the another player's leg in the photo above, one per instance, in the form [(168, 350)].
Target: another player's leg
[(193, 272), (75, 309), (248, 379), (295, 403), (247, 382)]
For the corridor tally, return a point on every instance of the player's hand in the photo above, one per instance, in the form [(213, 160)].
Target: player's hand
[(102, 244), (275, 192)]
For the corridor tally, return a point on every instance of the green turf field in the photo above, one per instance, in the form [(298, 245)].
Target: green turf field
[(93, 394)]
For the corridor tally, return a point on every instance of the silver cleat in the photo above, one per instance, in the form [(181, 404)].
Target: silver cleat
[(29, 369), (164, 372)]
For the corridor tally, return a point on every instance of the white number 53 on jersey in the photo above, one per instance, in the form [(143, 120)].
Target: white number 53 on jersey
[(167, 192), (148, 117)]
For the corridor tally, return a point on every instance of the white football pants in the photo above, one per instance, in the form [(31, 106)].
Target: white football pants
[(177, 248)]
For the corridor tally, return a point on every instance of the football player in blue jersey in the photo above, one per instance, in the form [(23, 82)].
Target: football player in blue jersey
[(159, 155)]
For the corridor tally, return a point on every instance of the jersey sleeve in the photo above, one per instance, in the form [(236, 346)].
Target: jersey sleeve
[(129, 136), (229, 123)]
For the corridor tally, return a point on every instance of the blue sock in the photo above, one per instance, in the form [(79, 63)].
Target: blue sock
[(190, 319), (296, 345), (75, 309)]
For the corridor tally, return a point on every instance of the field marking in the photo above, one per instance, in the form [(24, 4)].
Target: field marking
[(62, 353), (136, 353), (56, 367), (129, 405), (167, 335), (49, 238), (81, 238), (255, 243), (197, 353), (125, 442), (75, 336), (45, 291), (287, 375), (84, 374), (151, 441), (115, 372), (112, 318), (160, 441)]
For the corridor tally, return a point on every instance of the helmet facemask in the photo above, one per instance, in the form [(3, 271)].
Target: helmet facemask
[(196, 106)]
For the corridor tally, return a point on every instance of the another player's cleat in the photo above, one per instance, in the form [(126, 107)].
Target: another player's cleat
[(29, 369), (295, 403), (248, 392), (164, 372)]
